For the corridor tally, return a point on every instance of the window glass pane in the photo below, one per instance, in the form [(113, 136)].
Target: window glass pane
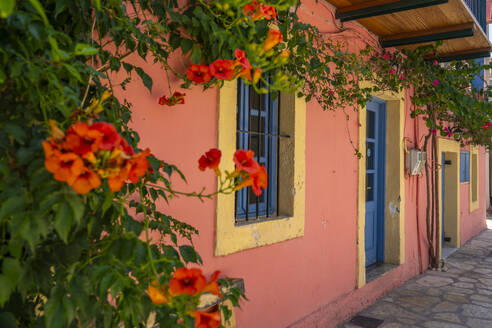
[(371, 124), (253, 126), (257, 115), (370, 152), (369, 187)]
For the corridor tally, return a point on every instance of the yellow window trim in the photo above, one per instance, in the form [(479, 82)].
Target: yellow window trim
[(230, 238), (474, 183)]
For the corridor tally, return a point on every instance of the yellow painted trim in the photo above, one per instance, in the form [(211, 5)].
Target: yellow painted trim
[(394, 249), (229, 237), (474, 184), (452, 214), (361, 218)]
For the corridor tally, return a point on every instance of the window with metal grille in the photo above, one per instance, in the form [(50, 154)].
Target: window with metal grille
[(258, 117)]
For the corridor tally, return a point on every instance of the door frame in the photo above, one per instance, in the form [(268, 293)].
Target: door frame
[(380, 165), (394, 206)]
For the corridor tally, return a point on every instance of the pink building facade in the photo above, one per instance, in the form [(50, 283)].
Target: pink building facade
[(316, 276)]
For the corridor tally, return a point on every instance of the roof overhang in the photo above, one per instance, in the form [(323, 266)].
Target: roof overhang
[(408, 24)]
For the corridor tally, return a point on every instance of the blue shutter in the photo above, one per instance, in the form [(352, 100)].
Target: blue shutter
[(464, 166)]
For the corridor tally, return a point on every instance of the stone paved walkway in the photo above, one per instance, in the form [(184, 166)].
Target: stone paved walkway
[(459, 297)]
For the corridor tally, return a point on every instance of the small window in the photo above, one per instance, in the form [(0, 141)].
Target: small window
[(258, 117), (465, 166)]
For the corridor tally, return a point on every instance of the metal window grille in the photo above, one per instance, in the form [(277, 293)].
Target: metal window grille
[(258, 117), (479, 8)]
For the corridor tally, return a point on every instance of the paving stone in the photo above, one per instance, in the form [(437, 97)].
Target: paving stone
[(460, 297), (481, 298), (463, 285), (448, 317), (478, 323), (388, 310), (456, 298), (391, 325), (486, 281), (441, 324), (434, 292), (432, 281), (467, 279), (421, 301), (476, 311), (458, 291), (484, 291), (445, 307)]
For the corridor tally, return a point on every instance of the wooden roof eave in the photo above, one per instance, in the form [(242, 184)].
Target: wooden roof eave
[(407, 24)]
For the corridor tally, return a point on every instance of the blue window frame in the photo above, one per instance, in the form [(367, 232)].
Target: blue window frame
[(257, 130), (465, 166)]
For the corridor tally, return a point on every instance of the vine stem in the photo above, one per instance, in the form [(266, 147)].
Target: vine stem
[(147, 237)]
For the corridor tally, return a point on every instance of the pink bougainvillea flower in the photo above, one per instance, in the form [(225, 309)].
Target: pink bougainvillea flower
[(486, 126), (211, 160), (392, 71), (448, 131), (274, 38), (436, 82), (402, 77), (199, 73), (436, 62), (434, 131), (222, 69), (386, 56)]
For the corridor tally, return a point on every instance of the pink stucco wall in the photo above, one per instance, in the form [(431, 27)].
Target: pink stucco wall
[(308, 281)]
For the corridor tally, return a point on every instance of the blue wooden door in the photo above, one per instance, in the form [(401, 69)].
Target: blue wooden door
[(443, 161), (375, 180)]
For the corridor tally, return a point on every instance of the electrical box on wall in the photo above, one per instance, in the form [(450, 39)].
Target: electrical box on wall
[(415, 161)]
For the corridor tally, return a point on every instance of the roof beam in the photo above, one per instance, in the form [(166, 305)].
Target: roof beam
[(381, 7), (464, 55), (444, 33)]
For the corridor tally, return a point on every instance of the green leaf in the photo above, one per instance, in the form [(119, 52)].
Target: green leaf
[(5, 289), (55, 51), (196, 54), (146, 79), (77, 206), (63, 221), (11, 206), (11, 270), (73, 72), (40, 10), (6, 8), (186, 45), (54, 314), (189, 254), (8, 320), (82, 49), (16, 131)]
